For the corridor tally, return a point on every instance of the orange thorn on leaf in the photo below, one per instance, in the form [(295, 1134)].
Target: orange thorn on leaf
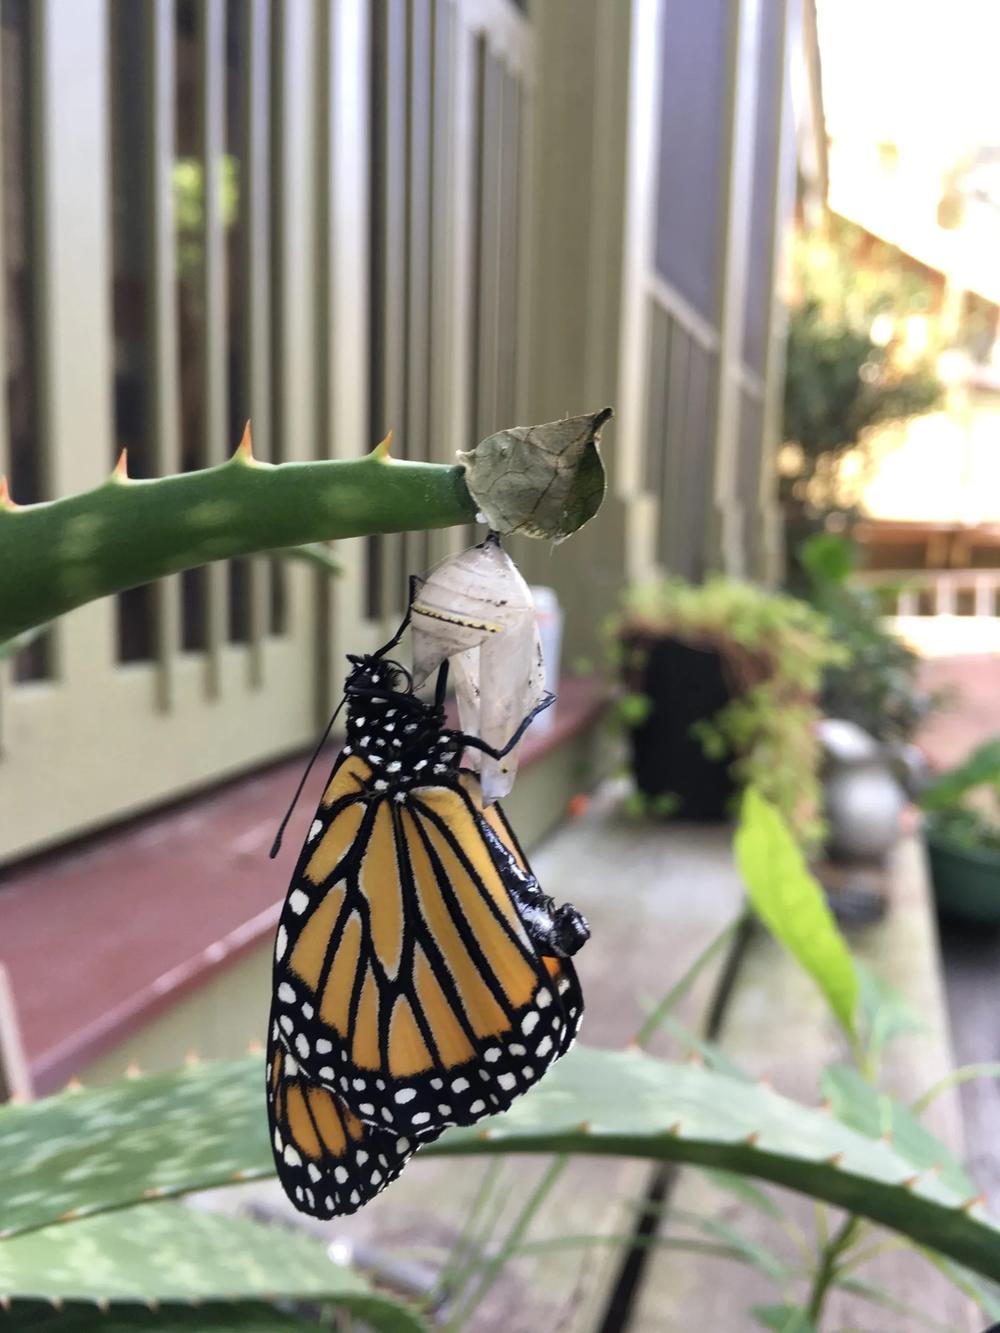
[(74, 1085), (675, 1129), (6, 500), (910, 1181), (244, 450), (120, 472), (133, 1071), (192, 1058), (382, 449), (835, 1159), (978, 1202), (753, 1138)]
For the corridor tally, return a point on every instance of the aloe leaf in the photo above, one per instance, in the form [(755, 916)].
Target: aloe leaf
[(791, 904), (59, 555), (204, 1126), (172, 1253), (247, 1317), (865, 1108)]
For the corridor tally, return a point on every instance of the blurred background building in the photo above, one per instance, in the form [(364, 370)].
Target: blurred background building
[(337, 218)]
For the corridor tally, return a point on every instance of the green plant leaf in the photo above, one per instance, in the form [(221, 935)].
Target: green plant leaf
[(790, 902), (59, 555), (865, 1108), (744, 1190), (982, 766), (885, 1015), (173, 1133), (751, 1251), (172, 1253), (783, 1318), (827, 557), (876, 1295), (633, 709), (247, 1317)]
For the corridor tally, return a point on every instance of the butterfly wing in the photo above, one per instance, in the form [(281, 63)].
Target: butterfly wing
[(328, 1161), (405, 981)]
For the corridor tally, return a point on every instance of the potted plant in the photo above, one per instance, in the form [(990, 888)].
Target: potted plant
[(962, 810), (723, 681)]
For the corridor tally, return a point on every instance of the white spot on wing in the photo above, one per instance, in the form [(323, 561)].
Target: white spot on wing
[(298, 901), (285, 993), (529, 1022), (507, 1082), (405, 1095), (315, 830), (281, 943)]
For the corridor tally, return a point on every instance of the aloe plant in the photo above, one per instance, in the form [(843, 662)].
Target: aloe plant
[(87, 1152), (544, 481), (176, 1254)]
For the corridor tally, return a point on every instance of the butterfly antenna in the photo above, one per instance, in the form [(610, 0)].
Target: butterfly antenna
[(276, 845)]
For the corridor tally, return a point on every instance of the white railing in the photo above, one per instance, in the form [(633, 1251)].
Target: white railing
[(942, 612), (938, 592)]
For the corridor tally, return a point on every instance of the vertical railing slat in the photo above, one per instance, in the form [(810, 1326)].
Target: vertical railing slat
[(418, 348), (510, 130), (394, 97), (212, 53), (5, 671), (72, 224), (345, 382), (491, 95), (162, 370), (444, 370), (255, 188)]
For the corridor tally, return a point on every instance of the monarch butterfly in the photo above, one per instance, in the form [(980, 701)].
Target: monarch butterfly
[(421, 977)]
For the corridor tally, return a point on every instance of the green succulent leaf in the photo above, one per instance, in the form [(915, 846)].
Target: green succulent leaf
[(247, 1317), (172, 1253), (859, 1104), (169, 1134), (791, 904)]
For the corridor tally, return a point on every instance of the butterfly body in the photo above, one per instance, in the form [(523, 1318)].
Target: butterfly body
[(421, 977)]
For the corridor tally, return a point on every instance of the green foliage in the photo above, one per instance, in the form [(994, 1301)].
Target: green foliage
[(602, 1102), (877, 686), (792, 905), (842, 378), (783, 1318), (170, 1253), (884, 1014), (775, 649), (963, 805), (858, 1103), (59, 555), (247, 1317)]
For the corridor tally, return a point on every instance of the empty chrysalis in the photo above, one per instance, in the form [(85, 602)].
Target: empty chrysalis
[(477, 610)]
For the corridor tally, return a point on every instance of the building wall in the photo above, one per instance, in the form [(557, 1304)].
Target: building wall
[(308, 213), (335, 217)]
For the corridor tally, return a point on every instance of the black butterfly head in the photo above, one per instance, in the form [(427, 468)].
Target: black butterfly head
[(377, 676)]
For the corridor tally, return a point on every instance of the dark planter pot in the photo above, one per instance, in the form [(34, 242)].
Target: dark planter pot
[(685, 684), (966, 881)]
